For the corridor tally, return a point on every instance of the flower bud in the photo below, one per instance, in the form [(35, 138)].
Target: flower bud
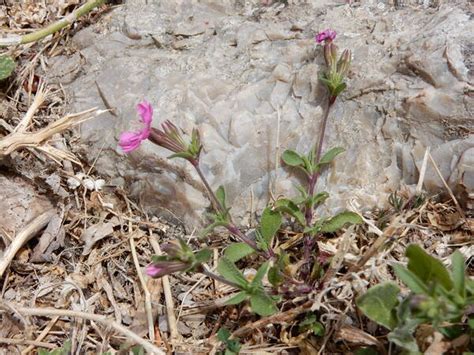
[(344, 63)]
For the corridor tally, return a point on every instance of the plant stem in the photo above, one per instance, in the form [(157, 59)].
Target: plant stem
[(212, 196), (309, 240), (237, 232), (54, 27), (314, 177), (218, 278), (231, 227)]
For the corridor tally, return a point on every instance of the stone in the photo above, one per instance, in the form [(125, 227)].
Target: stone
[(248, 78), (20, 204)]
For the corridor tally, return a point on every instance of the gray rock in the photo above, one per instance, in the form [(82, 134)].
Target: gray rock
[(246, 75)]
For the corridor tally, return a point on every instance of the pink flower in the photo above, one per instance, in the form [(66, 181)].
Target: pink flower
[(130, 141), (153, 271), (326, 35)]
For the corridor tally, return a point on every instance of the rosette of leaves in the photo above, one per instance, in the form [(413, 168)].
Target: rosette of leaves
[(438, 297)]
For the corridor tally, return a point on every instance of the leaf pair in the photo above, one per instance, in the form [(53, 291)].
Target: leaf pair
[(307, 163)]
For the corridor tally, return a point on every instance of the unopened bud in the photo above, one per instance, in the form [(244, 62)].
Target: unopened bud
[(344, 62)]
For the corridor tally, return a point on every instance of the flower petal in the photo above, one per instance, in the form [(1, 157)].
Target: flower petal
[(145, 110), (130, 141)]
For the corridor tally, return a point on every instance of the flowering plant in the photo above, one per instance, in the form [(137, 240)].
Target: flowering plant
[(284, 279)]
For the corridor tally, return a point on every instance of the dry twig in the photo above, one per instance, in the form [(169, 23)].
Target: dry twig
[(52, 312)]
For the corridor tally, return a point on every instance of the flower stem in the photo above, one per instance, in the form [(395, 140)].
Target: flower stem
[(212, 196), (207, 272), (231, 227), (309, 241)]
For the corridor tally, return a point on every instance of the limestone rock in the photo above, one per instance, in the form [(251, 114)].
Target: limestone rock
[(246, 75)]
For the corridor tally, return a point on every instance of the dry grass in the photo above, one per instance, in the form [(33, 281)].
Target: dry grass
[(81, 278)]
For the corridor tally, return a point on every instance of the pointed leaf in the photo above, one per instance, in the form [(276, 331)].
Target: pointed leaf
[(330, 155), (184, 155), (230, 272), (337, 222), (412, 281), (379, 303), (220, 195), (238, 298), (458, 273), (223, 334), (287, 206), (319, 198), (270, 224), (262, 304), (427, 268), (262, 270), (237, 251), (274, 276), (291, 158)]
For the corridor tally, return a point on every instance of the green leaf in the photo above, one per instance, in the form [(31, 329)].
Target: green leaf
[(403, 337), (184, 155), (270, 224), (229, 271), (287, 206), (138, 350), (262, 304), (7, 65), (366, 351), (379, 303), (337, 222), (237, 251), (340, 88), (274, 276), (458, 273), (311, 323), (330, 155), (238, 298), (427, 268), (220, 195), (262, 270), (291, 158), (412, 281), (223, 334), (202, 256), (319, 198)]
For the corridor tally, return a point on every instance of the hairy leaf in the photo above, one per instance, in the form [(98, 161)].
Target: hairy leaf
[(427, 268), (237, 251), (202, 256), (262, 270), (379, 303), (262, 304), (238, 298), (412, 281), (337, 222), (292, 158), (270, 224), (229, 271), (458, 273), (7, 65), (220, 195), (287, 206), (330, 155), (274, 276)]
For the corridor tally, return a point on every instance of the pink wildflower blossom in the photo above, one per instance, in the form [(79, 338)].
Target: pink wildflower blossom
[(130, 141), (153, 271), (326, 35)]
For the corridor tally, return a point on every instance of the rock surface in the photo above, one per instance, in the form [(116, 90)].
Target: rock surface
[(247, 76)]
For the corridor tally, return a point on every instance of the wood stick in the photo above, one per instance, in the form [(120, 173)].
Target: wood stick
[(23, 237)]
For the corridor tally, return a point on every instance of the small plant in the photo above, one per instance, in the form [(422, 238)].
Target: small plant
[(64, 350), (232, 346), (274, 263), (7, 66), (440, 298)]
